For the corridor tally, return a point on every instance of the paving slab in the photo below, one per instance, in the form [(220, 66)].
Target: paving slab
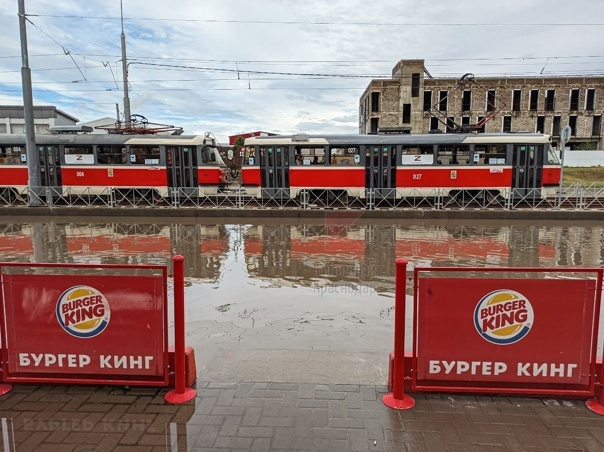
[(314, 411)]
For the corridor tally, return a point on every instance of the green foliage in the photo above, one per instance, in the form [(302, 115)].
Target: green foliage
[(592, 146)]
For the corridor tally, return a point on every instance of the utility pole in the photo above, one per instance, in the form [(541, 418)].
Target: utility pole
[(33, 158), (125, 73)]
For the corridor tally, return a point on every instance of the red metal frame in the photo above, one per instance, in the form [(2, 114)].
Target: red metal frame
[(534, 389), (181, 393), (397, 399), (94, 379)]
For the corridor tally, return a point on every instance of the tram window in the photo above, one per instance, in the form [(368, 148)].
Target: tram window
[(248, 156), (111, 155), (79, 155), (144, 155), (417, 155), (311, 155), (12, 155), (208, 156), (345, 156), (493, 154), (552, 157), (453, 155)]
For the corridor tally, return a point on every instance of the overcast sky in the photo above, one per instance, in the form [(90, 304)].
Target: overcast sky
[(229, 66)]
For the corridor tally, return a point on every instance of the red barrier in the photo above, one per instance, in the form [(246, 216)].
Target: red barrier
[(496, 330), (93, 324), (181, 393), (84, 324), (398, 399)]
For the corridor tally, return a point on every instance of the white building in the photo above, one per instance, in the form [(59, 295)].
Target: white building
[(12, 119)]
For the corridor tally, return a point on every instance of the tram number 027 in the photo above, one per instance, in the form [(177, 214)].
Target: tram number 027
[(417, 176)]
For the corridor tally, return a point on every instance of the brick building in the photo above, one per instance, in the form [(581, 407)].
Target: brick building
[(414, 102)]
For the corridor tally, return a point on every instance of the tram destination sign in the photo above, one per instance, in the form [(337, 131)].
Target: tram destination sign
[(505, 330)]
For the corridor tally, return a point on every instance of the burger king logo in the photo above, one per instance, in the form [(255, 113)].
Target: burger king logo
[(83, 311), (503, 317)]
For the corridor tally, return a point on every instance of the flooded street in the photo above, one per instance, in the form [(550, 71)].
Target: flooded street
[(297, 285)]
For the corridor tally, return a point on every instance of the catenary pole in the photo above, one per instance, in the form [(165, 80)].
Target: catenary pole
[(33, 158), (125, 73)]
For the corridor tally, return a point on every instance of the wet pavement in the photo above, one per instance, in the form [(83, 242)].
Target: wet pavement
[(268, 416), (292, 324)]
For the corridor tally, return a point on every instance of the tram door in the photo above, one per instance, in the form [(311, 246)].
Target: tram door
[(50, 166), (527, 169), (181, 163), (274, 168), (380, 170)]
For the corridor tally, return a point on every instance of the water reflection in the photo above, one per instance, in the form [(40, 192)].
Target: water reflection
[(318, 285), (204, 246), (308, 254)]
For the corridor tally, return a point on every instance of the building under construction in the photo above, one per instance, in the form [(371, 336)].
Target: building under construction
[(415, 102)]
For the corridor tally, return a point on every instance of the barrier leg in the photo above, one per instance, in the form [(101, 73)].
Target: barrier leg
[(597, 404), (397, 399), (180, 394)]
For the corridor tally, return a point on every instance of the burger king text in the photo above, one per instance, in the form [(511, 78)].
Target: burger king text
[(499, 368), (80, 360)]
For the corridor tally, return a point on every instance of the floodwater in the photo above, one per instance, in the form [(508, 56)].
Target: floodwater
[(298, 284)]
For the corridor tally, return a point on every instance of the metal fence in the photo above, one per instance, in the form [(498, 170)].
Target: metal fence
[(574, 197)]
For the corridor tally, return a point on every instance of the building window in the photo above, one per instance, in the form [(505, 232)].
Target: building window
[(556, 126), (596, 127), (534, 101), (574, 99), (406, 113), (590, 98), (550, 100), (465, 120), (450, 124), (540, 124), (374, 125), (572, 122), (507, 124), (516, 99), (414, 85), (427, 100), (442, 100), (466, 100), (17, 129), (434, 124), (482, 127), (375, 102), (491, 100)]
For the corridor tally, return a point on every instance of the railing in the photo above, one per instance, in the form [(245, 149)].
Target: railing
[(574, 197)]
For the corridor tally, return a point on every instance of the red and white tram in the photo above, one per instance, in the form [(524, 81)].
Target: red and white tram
[(92, 163), (506, 165)]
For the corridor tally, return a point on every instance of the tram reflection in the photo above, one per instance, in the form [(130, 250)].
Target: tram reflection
[(366, 253), (205, 247)]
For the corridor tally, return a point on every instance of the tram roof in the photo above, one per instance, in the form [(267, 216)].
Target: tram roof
[(417, 139), (109, 139)]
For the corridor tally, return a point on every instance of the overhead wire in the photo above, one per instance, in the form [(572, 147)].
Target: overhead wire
[(297, 22)]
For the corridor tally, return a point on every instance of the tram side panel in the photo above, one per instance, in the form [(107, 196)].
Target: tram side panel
[(425, 180), (81, 178)]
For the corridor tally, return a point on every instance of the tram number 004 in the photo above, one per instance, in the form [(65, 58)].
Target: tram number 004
[(417, 176), (79, 173)]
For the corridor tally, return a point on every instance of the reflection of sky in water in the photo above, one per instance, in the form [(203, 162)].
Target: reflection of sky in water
[(315, 282)]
